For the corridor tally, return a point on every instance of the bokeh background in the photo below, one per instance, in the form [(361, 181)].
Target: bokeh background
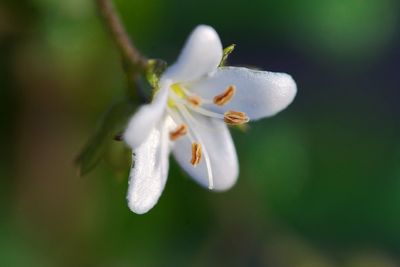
[(319, 183)]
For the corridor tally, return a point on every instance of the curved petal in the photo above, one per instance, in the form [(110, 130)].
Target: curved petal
[(145, 119), (201, 55), (258, 93), (150, 170), (217, 141)]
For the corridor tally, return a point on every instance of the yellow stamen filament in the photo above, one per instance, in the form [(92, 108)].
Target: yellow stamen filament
[(180, 131), (194, 100), (235, 117), (196, 154), (226, 96), (178, 90)]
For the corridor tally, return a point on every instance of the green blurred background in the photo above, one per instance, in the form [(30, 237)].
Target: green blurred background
[(319, 183)]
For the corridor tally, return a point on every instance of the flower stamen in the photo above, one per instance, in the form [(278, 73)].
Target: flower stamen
[(180, 131), (194, 100), (235, 117), (192, 136), (225, 96), (196, 154)]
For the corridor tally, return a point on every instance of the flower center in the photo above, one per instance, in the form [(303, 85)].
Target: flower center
[(182, 104)]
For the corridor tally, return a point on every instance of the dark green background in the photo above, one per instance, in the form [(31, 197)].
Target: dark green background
[(319, 183)]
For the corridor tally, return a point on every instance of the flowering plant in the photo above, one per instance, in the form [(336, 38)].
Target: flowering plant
[(194, 101)]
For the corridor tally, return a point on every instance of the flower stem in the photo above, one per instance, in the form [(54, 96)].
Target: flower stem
[(134, 61)]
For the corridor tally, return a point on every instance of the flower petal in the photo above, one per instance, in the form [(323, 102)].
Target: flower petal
[(217, 142), (150, 169), (145, 119), (258, 93), (201, 55)]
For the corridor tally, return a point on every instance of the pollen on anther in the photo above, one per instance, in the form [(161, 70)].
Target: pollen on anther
[(196, 154), (235, 117), (194, 100), (225, 96), (180, 131)]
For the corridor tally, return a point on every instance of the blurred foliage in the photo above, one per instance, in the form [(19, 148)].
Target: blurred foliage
[(319, 183), (347, 30), (110, 127)]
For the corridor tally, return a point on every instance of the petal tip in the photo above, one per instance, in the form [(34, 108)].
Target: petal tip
[(138, 203), (205, 31), (137, 208), (289, 89), (226, 186), (200, 55), (286, 90)]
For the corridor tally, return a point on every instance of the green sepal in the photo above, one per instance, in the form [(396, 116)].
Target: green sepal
[(112, 123), (118, 156), (155, 67), (227, 51)]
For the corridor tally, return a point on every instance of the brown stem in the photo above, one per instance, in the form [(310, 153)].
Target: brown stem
[(132, 57)]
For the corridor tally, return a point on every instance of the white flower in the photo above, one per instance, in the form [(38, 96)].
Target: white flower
[(188, 116)]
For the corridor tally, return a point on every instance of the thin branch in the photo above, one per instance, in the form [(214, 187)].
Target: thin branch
[(132, 57)]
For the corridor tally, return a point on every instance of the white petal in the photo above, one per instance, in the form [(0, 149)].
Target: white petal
[(258, 93), (201, 55), (145, 119), (217, 141), (150, 170)]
